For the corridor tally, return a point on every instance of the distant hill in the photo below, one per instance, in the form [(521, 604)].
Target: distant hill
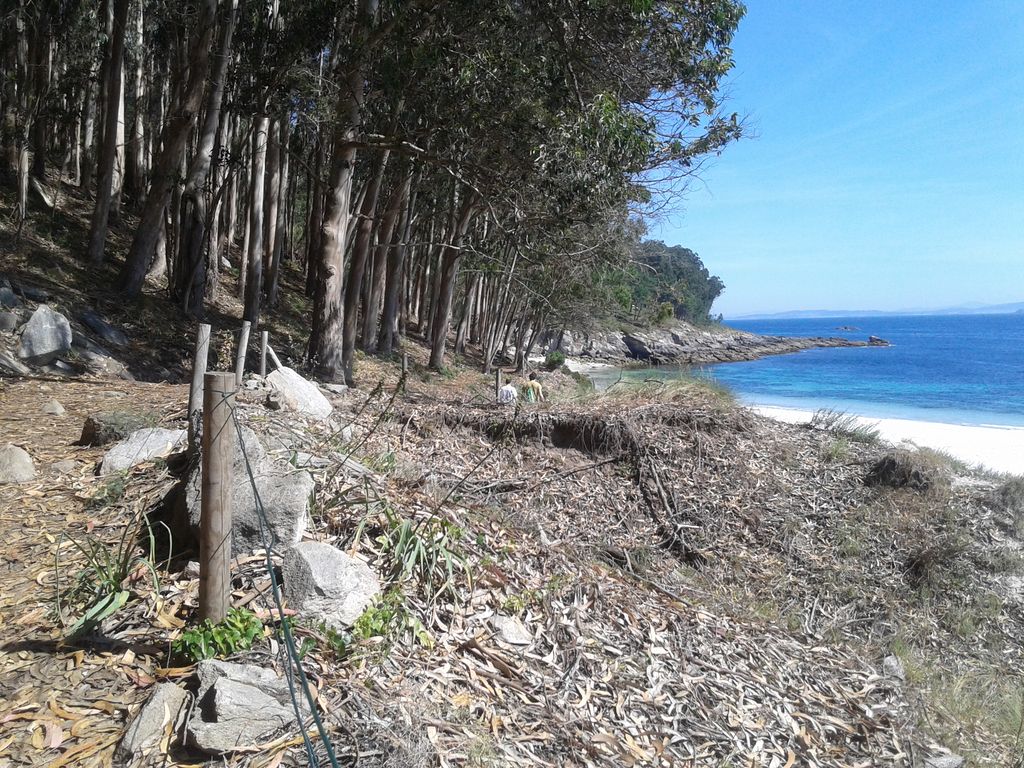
[(1016, 307)]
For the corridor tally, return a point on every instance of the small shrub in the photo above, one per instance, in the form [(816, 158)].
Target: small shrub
[(901, 470), (111, 492), (425, 552), (239, 630), (1008, 498), (554, 360), (835, 451), (844, 424)]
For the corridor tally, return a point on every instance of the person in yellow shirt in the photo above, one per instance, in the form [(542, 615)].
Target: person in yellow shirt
[(533, 392)]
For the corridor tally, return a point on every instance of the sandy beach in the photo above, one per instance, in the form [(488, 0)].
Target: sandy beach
[(996, 448)]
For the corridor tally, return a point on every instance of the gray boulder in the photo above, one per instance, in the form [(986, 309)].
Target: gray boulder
[(53, 408), (893, 667), (47, 335), (9, 321), (111, 426), (324, 583), (111, 335), (239, 705), (284, 492), (64, 467), (141, 446), (298, 394), (146, 731), (15, 465)]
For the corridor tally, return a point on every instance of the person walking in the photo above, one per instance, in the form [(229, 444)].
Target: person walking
[(508, 394), (533, 392)]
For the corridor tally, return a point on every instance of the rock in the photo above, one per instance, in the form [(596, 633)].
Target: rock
[(847, 328), (141, 446), (98, 360), (893, 667), (110, 426), (146, 730), (511, 630), (9, 321), (7, 297), (298, 394), (944, 761), (15, 465), (274, 401), (111, 335), (875, 341), (46, 335), (326, 584), (284, 492), (64, 467), (53, 408), (335, 389), (238, 705), (12, 366)]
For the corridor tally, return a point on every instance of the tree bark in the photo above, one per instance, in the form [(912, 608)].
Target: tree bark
[(389, 239)]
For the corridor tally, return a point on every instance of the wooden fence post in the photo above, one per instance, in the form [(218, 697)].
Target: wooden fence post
[(405, 363), (497, 382), (219, 440), (243, 346), (195, 392), (264, 336)]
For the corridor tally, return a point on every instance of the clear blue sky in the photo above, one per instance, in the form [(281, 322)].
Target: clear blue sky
[(887, 169)]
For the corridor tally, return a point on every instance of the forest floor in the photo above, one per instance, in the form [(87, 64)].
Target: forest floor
[(649, 576)]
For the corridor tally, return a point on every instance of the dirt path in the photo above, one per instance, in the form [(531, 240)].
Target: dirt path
[(61, 704)]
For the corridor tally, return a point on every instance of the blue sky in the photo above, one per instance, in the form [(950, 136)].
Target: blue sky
[(887, 166)]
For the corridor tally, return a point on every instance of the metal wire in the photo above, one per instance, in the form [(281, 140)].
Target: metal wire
[(289, 641)]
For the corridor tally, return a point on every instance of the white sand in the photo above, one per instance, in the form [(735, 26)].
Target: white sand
[(996, 448)]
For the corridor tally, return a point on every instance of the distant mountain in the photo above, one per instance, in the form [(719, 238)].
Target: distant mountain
[(1016, 307)]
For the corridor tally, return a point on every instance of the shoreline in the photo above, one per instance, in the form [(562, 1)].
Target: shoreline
[(995, 448)]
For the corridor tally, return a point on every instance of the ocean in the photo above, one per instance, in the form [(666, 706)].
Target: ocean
[(955, 369)]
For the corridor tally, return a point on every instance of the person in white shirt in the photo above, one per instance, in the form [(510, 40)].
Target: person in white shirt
[(508, 394)]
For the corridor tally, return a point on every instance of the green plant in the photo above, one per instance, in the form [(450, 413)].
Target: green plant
[(835, 450), (111, 492), (388, 617), (423, 551), (237, 632), (554, 360), (844, 424), (99, 588)]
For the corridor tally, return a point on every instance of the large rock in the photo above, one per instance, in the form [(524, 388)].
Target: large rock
[(53, 408), (325, 584), (7, 297), (111, 335), (111, 426), (15, 465), (142, 445), (298, 394), (46, 336), (9, 322), (146, 731), (239, 705), (284, 492)]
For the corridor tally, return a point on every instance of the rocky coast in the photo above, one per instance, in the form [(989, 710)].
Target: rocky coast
[(685, 343)]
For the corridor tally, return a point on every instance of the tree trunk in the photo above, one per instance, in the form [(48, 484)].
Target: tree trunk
[(173, 139), (451, 257), (280, 226), (394, 279), (108, 153), (389, 238), (325, 339), (254, 258), (135, 167), (360, 250), (190, 283)]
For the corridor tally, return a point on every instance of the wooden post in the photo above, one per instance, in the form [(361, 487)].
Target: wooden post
[(243, 346), (405, 363), (264, 336), (497, 382), (219, 440), (195, 393)]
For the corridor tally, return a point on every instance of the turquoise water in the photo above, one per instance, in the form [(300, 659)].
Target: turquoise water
[(957, 369)]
